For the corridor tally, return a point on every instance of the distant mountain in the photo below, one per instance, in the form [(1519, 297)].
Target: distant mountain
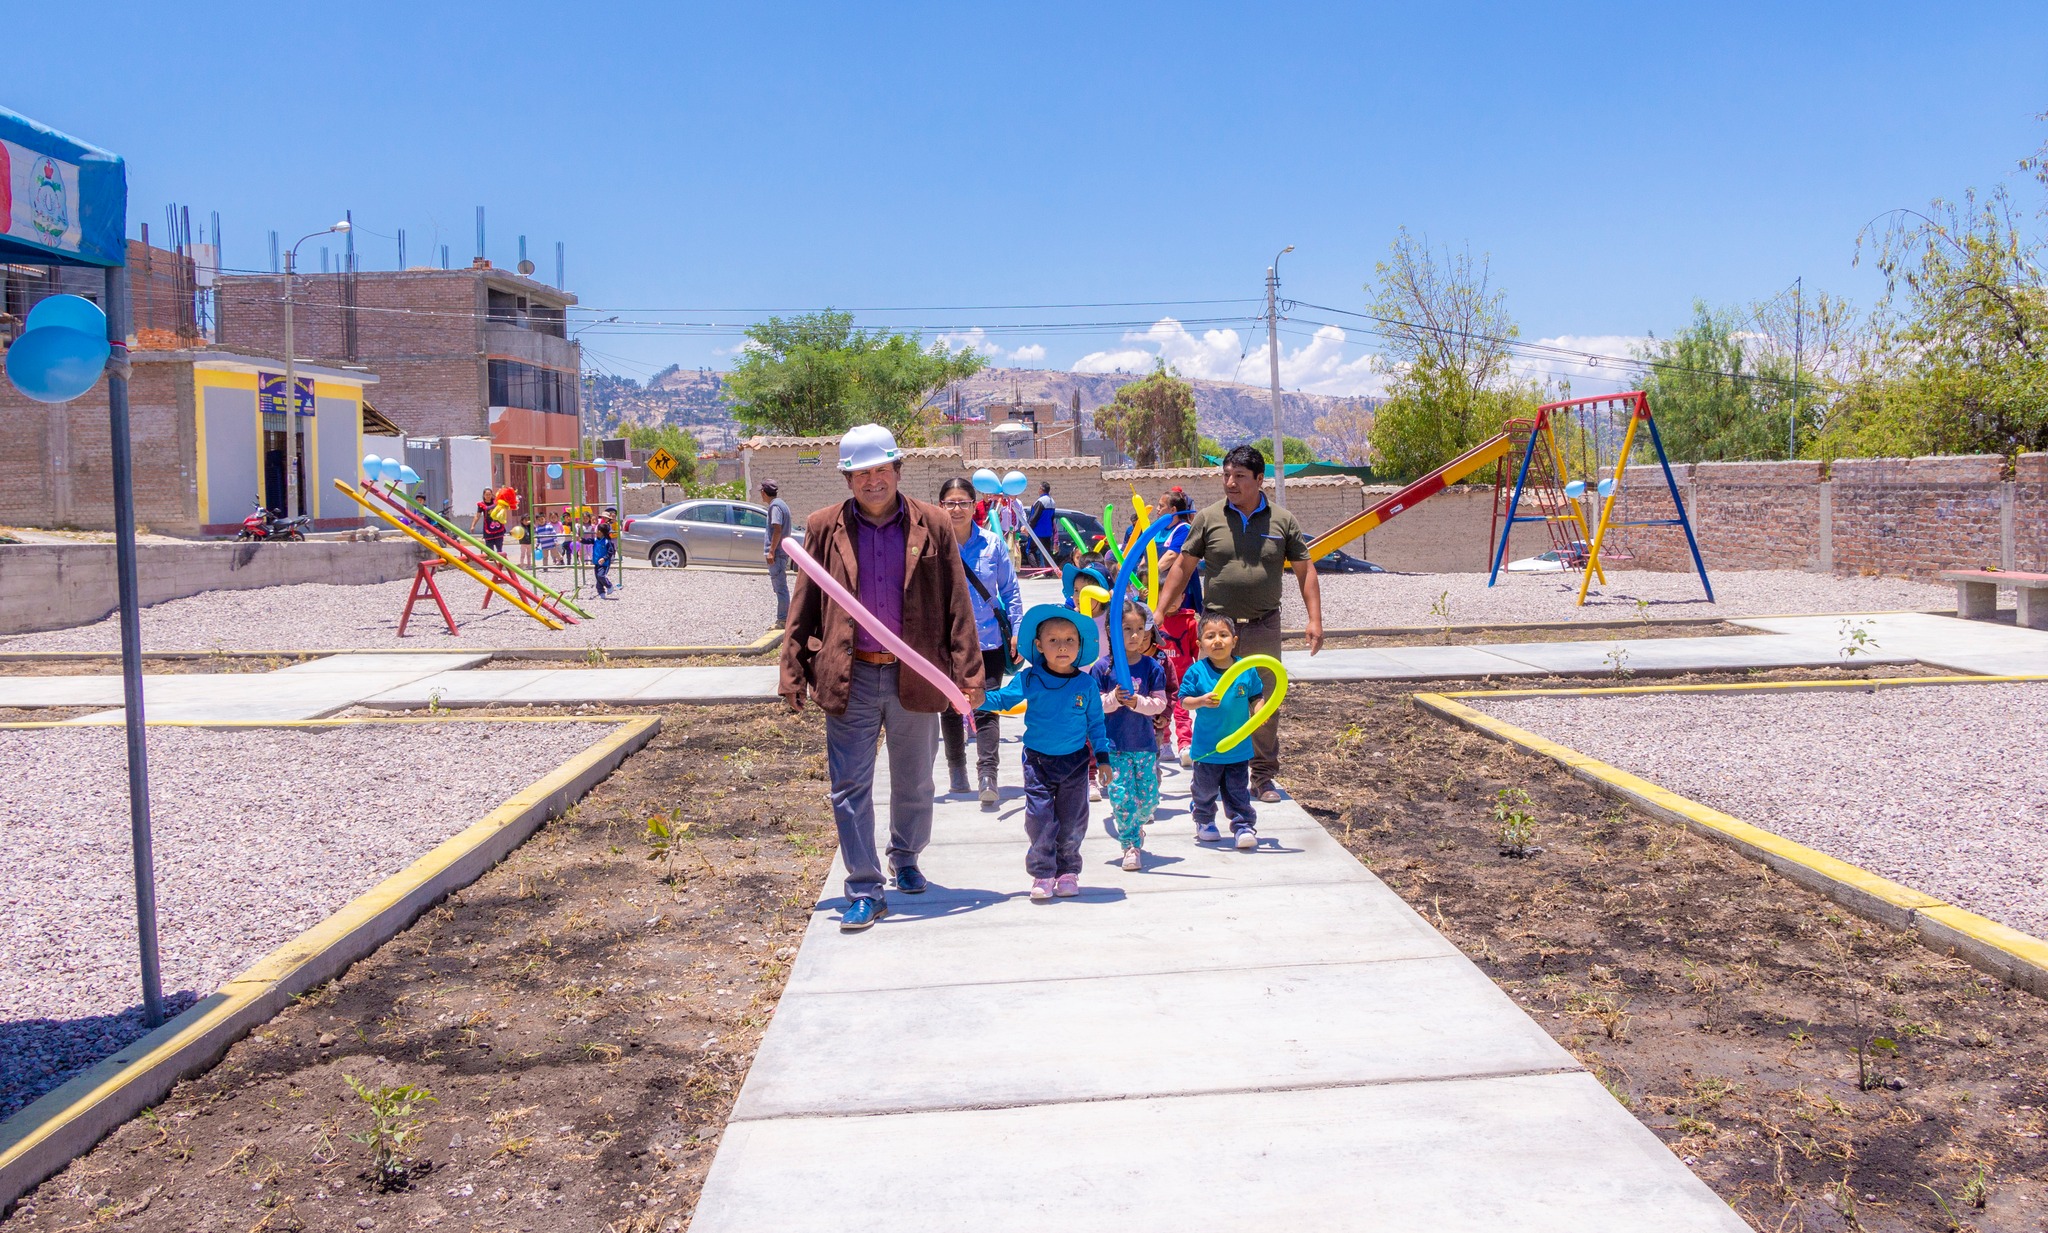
[(1229, 411)]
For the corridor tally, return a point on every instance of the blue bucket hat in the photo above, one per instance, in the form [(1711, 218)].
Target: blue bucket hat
[(1027, 634)]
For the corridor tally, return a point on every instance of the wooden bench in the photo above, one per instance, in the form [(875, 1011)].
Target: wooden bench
[(1977, 594)]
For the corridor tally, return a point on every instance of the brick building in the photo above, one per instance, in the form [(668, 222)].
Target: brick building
[(470, 352)]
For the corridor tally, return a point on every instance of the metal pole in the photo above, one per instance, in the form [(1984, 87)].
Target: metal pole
[(1798, 355), (118, 312), (291, 375), (1273, 358)]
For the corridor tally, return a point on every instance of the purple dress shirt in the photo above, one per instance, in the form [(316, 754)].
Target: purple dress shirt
[(879, 550)]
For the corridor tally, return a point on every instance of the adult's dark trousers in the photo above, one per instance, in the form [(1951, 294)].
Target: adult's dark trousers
[(1226, 782), (852, 741), (1055, 811), (1261, 636), (987, 724)]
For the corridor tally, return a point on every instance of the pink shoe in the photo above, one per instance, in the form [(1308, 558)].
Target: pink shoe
[(1068, 886), (1041, 889)]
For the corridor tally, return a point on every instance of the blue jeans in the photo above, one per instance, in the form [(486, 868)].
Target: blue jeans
[(1055, 811), (872, 708), (1229, 781), (778, 582)]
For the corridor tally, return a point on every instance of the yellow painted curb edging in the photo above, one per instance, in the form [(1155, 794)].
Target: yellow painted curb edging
[(2018, 958), (41, 1139)]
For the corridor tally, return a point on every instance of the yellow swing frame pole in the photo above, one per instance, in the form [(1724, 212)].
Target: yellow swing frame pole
[(450, 557), (1628, 441)]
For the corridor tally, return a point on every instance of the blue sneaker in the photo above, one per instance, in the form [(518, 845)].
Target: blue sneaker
[(861, 913), (910, 881), (1208, 834)]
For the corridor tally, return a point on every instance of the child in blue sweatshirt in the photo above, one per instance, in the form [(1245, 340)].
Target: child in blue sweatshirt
[(1062, 716), (1225, 775), (1133, 785)]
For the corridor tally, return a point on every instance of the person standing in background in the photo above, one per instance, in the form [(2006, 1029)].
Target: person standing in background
[(780, 519), (998, 612)]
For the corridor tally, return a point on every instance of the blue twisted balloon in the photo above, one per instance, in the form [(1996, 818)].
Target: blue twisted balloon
[(1119, 658)]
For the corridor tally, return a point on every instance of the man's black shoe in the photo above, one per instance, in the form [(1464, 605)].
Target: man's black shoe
[(861, 913)]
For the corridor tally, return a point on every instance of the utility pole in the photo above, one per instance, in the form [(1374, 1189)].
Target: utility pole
[(1798, 356), (1273, 363)]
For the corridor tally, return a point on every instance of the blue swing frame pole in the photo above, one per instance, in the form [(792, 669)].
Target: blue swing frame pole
[(1507, 530), (1678, 503)]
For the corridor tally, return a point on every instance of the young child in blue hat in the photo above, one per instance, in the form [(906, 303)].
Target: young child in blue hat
[(1062, 719), (1220, 774)]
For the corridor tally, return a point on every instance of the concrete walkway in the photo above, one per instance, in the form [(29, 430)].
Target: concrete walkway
[(1267, 1040), (414, 681)]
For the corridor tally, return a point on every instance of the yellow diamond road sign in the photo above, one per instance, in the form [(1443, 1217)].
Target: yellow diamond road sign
[(663, 464)]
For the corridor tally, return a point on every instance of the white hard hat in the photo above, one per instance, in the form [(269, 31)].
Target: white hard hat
[(867, 445)]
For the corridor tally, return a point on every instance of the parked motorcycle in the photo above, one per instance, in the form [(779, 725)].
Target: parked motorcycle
[(262, 524)]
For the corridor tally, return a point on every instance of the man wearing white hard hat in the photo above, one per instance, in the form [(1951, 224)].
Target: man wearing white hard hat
[(900, 558)]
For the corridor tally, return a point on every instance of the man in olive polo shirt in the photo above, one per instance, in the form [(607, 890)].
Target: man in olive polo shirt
[(1246, 547)]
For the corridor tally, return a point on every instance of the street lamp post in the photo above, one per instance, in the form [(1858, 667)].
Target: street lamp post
[(1273, 358), (291, 380)]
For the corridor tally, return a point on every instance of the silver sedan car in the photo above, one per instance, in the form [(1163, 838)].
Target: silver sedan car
[(731, 534)]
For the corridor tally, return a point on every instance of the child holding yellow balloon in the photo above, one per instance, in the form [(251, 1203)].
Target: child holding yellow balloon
[(1220, 698)]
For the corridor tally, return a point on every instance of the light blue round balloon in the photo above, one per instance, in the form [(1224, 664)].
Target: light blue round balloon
[(554, 470), (987, 482), (56, 365), (390, 469), (67, 312), (1606, 487), (1015, 483), (373, 466), (406, 475)]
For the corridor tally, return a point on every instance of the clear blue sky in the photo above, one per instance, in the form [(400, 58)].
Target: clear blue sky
[(1615, 161)]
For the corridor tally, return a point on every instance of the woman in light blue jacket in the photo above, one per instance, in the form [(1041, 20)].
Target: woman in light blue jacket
[(998, 610)]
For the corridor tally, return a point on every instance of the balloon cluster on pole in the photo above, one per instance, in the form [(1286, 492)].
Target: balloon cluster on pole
[(390, 470), (63, 350)]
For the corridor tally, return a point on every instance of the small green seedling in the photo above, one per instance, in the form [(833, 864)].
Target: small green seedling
[(1856, 639), (1517, 825), (1440, 613), (1617, 662), (394, 1123)]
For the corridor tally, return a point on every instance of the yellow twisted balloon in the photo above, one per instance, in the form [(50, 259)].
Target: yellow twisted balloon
[(1265, 711)]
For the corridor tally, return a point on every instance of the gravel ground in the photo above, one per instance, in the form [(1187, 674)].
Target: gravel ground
[(260, 834), (669, 607), (1372, 601), (1941, 788)]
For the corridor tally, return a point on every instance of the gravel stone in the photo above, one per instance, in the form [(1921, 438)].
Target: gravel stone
[(1373, 601), (259, 835), (658, 607), (1939, 787)]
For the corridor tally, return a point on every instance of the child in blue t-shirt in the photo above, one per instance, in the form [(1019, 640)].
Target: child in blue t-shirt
[(1062, 717), (1225, 775), (1133, 751)]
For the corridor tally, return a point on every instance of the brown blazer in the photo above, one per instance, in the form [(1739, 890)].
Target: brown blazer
[(938, 616)]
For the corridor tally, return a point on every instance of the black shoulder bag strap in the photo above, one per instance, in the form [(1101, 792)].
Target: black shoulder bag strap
[(1002, 616)]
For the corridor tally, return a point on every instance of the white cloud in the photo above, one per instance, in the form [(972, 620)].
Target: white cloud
[(1593, 363), (1321, 366), (977, 339)]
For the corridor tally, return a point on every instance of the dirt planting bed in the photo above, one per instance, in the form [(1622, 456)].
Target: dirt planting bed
[(1819, 1071), (110, 665), (582, 1017)]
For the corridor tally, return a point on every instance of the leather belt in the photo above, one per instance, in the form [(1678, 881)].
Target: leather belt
[(874, 657)]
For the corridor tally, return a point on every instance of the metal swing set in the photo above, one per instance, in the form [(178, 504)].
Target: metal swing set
[(1576, 454)]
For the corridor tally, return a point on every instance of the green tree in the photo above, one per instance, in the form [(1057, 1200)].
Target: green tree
[(816, 375), (1153, 420), (1448, 334), (1297, 450), (1958, 356), (647, 438), (1717, 395)]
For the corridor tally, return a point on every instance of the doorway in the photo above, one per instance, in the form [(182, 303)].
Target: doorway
[(273, 471)]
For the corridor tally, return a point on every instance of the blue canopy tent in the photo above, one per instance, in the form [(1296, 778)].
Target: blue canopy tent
[(63, 202)]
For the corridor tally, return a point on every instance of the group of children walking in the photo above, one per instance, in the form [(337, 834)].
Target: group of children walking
[(1077, 714)]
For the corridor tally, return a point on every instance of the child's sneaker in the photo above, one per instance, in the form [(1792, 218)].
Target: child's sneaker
[(1187, 758), (1207, 833), (1248, 839), (1068, 886), (1134, 860), (1041, 889), (1094, 792)]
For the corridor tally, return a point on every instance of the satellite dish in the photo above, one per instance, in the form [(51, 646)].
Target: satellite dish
[(526, 267)]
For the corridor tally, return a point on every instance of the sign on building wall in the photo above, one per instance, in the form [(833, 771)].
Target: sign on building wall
[(270, 394)]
